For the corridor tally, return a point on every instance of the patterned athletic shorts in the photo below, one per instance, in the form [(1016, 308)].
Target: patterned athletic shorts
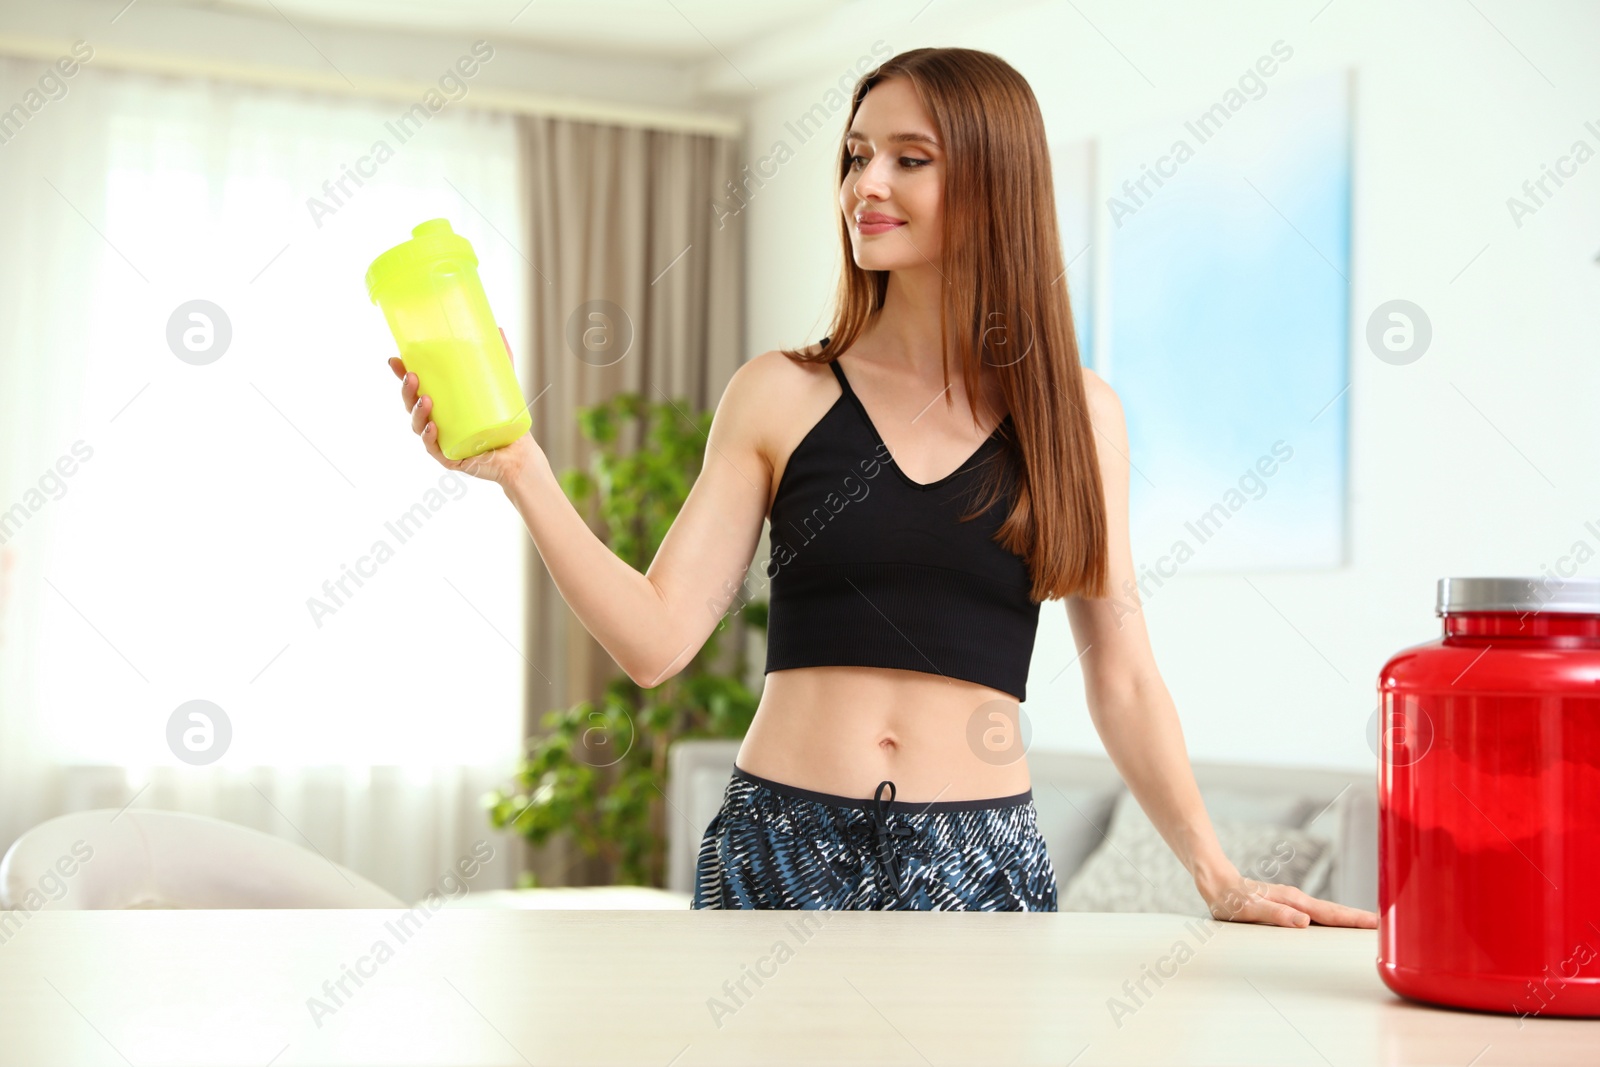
[(779, 846)]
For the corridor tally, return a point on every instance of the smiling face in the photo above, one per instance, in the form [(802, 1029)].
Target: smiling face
[(896, 169)]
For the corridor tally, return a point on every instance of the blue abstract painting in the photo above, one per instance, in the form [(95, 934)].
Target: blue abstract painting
[(1224, 266)]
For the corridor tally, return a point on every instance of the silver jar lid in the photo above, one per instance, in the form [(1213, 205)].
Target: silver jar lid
[(1574, 595)]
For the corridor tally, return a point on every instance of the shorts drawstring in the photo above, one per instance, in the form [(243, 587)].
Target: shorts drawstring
[(884, 854)]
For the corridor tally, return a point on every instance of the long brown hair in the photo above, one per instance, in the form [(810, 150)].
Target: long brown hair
[(1005, 294)]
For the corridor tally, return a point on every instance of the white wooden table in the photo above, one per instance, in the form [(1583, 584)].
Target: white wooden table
[(469, 986)]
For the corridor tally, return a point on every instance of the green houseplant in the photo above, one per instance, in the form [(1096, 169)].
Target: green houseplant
[(598, 773)]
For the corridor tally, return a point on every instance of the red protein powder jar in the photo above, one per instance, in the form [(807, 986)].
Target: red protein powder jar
[(1489, 802)]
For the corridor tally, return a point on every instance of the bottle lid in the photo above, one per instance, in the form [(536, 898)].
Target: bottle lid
[(1579, 596), (431, 242)]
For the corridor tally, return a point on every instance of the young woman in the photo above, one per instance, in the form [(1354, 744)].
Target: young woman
[(919, 517)]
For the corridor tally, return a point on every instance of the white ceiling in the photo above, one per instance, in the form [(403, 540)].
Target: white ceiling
[(687, 31), (699, 52)]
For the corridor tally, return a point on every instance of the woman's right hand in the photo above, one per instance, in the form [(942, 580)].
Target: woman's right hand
[(499, 465)]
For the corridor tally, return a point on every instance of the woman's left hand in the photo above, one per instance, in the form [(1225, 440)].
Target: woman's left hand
[(1234, 898)]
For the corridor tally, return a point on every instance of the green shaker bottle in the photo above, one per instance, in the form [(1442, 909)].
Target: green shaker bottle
[(429, 291)]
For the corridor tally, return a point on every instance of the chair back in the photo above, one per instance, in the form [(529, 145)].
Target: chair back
[(112, 858)]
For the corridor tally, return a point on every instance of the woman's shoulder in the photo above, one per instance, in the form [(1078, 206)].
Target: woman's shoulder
[(1104, 404), (778, 372), (770, 394)]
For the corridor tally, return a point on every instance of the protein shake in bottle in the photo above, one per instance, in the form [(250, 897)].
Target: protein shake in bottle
[(430, 294)]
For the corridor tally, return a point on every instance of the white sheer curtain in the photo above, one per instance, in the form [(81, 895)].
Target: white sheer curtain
[(164, 523)]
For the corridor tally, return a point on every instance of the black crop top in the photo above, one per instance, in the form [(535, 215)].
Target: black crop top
[(869, 568)]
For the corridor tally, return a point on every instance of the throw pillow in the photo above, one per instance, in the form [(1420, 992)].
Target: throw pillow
[(1135, 870), (1073, 821)]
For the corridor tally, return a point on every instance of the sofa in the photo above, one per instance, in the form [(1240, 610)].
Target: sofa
[(1311, 827)]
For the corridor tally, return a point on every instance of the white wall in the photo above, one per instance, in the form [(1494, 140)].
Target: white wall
[(266, 40), (1449, 456)]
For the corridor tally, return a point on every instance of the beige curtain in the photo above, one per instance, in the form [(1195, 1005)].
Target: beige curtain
[(620, 215)]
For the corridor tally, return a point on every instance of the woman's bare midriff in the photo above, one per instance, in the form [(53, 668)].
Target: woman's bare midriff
[(842, 730)]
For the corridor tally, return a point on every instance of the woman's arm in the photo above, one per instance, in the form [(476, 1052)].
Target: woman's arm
[(651, 624), (1136, 720)]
